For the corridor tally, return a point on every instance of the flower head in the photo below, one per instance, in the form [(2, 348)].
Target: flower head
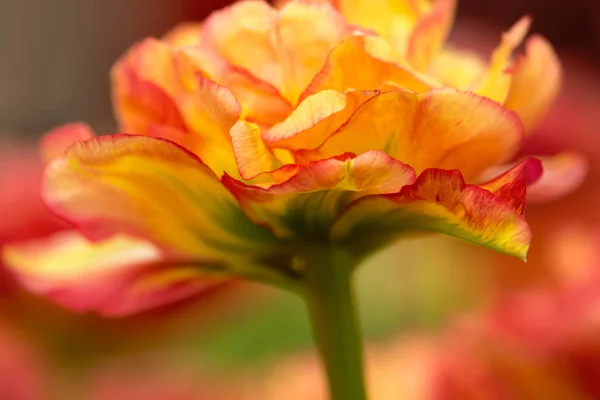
[(264, 133)]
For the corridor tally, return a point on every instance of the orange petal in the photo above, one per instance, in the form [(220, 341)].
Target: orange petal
[(115, 277), (430, 33), (364, 63), (497, 81), (315, 119), (314, 194), (205, 111), (152, 189), (284, 52), (54, 143), (439, 201), (535, 82), (444, 128), (261, 102), (251, 154), (144, 83)]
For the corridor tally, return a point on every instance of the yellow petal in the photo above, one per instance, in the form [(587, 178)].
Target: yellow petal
[(429, 34), (458, 69), (153, 189), (496, 83), (535, 82), (252, 155), (444, 128)]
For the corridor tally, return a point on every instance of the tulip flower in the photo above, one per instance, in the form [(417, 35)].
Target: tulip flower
[(284, 146)]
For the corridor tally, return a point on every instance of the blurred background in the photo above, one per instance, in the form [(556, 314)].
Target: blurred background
[(56, 58)]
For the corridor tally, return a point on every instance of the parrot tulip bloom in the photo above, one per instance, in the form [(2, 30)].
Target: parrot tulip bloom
[(271, 142), (239, 164)]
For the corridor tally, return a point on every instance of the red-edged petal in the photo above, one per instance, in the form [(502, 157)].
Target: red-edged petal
[(144, 82), (314, 194), (439, 201), (512, 185), (115, 277)]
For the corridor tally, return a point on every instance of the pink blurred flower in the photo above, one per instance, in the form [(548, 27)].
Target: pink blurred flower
[(21, 370)]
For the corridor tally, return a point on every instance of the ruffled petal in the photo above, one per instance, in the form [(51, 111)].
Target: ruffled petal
[(207, 110), (54, 143), (261, 102), (535, 82), (152, 189), (439, 201), (315, 119), (365, 63), (444, 128), (284, 52), (119, 276), (144, 82), (314, 194), (496, 83)]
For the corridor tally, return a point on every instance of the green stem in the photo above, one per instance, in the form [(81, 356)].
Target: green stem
[(330, 301)]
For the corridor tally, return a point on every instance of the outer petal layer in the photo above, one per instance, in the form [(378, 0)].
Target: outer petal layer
[(118, 276), (314, 194), (432, 130), (150, 188), (439, 201)]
